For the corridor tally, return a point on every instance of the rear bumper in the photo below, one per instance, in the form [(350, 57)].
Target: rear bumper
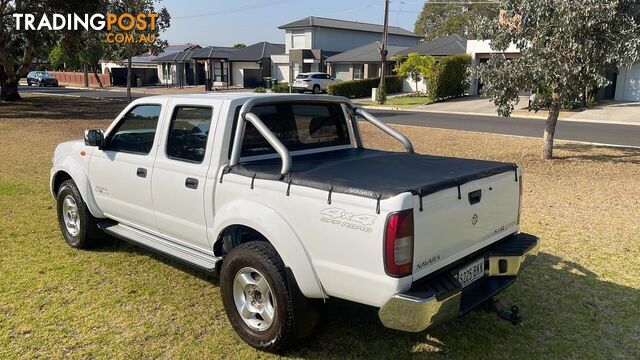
[(302, 86), (441, 298)]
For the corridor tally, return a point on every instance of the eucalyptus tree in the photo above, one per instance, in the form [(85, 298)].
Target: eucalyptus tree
[(123, 52), (565, 47)]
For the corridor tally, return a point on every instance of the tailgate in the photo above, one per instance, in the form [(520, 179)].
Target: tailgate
[(455, 223)]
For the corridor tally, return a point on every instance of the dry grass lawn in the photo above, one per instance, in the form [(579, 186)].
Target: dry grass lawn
[(581, 299)]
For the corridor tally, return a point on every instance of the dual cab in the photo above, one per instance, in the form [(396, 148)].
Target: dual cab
[(277, 194)]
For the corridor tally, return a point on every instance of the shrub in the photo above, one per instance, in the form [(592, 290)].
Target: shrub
[(362, 88), (260, 89), (450, 77), (415, 67), (280, 88)]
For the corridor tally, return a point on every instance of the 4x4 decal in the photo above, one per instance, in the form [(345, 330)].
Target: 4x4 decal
[(337, 216)]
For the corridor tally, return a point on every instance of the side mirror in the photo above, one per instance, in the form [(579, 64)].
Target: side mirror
[(94, 137)]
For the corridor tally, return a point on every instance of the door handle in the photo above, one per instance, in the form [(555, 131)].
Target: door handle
[(141, 172), (191, 183), (475, 196)]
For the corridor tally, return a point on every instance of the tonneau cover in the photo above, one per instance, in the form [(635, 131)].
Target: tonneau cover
[(374, 174)]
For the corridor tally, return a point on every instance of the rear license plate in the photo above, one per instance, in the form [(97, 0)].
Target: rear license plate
[(471, 272)]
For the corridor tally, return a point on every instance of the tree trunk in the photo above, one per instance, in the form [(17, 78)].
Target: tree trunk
[(10, 90), (550, 129), (95, 73), (129, 79), (85, 70)]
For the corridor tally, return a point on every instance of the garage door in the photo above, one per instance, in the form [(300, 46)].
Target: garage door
[(342, 72), (238, 71), (629, 80), (252, 78)]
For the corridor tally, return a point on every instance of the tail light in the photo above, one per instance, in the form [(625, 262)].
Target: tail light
[(398, 244), (520, 198), (306, 80)]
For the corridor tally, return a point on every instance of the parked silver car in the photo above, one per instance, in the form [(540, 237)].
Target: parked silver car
[(314, 81)]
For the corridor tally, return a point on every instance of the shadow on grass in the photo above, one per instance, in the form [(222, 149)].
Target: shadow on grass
[(558, 298), (112, 244), (599, 153), (60, 108)]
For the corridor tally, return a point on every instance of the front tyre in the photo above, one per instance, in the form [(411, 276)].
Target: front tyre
[(256, 297), (79, 228)]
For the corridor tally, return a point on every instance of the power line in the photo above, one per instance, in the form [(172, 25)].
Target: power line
[(231, 11)]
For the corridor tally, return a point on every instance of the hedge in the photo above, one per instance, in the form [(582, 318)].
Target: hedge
[(280, 88), (450, 77), (362, 88)]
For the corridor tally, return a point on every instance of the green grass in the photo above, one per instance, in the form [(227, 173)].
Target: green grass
[(400, 101), (580, 299), (409, 100)]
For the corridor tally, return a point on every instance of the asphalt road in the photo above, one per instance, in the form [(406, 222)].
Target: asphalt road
[(625, 135), (101, 94), (610, 134)]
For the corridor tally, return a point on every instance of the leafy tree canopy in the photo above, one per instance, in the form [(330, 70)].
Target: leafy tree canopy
[(441, 18), (415, 66)]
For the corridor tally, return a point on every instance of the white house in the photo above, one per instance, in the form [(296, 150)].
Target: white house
[(625, 82), (310, 41)]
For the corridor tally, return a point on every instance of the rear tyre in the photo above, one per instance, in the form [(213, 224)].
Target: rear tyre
[(300, 91), (79, 228), (256, 297), (316, 89)]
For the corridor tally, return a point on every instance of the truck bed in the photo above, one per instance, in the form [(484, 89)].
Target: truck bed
[(374, 174)]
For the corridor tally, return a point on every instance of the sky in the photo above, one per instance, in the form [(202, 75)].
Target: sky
[(225, 23)]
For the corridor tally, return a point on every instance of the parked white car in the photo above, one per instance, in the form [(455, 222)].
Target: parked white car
[(315, 82), (277, 195)]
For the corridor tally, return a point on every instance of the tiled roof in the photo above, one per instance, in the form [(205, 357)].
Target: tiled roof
[(314, 21)]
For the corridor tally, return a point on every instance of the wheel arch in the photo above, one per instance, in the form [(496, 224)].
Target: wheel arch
[(266, 225), (70, 169)]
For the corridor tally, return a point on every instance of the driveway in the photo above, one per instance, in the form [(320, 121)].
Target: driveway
[(469, 105)]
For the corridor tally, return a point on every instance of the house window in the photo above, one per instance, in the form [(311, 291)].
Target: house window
[(374, 70), (220, 71), (298, 40), (358, 71)]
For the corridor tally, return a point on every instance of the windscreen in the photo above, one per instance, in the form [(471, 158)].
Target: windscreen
[(299, 126)]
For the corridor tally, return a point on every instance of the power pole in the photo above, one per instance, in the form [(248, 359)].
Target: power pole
[(383, 53)]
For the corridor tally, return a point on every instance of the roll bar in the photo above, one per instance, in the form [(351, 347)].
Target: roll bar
[(247, 115), (386, 128)]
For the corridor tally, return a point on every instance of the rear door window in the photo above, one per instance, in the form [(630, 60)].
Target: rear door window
[(299, 126), (188, 133)]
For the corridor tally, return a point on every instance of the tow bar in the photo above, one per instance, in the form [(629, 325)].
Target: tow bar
[(504, 312)]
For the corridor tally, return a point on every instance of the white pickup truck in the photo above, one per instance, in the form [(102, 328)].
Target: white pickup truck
[(277, 195)]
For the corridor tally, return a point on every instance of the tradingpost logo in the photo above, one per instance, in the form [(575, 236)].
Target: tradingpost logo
[(119, 28)]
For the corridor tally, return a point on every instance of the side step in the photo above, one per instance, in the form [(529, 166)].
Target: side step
[(200, 260)]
